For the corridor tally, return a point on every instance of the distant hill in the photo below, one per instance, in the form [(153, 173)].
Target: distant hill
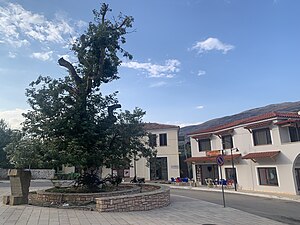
[(281, 107)]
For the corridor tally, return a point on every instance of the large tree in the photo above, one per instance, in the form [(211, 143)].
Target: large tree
[(71, 116)]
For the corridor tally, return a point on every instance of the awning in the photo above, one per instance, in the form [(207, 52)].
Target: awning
[(258, 125), (212, 160), (261, 155)]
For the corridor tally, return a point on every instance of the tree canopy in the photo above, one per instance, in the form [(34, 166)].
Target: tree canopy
[(72, 118)]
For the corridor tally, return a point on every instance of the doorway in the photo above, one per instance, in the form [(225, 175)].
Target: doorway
[(159, 168), (230, 174), (205, 171), (297, 176)]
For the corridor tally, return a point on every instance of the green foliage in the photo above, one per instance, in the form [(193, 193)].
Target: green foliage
[(25, 152), (5, 138), (71, 122), (125, 139), (97, 49)]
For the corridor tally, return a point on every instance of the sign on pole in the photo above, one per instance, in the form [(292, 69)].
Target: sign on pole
[(220, 160)]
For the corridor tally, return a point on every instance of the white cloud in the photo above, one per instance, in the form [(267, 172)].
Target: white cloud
[(12, 55), (158, 84), (66, 57), (16, 43), (200, 107), (201, 73), (44, 56), (18, 26), (181, 124), (212, 44), (167, 70), (14, 117), (81, 24)]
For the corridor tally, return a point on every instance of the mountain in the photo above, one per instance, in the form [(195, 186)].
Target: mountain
[(281, 107)]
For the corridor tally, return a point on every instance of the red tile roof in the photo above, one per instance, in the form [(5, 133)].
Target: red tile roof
[(288, 121), (212, 159), (261, 155), (224, 132), (248, 120), (203, 136), (157, 126), (256, 125)]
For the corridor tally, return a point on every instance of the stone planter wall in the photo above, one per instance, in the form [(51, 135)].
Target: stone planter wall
[(135, 202), (81, 198), (35, 174), (42, 174), (3, 174)]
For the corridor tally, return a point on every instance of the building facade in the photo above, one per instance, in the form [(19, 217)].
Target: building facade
[(261, 153), (164, 138)]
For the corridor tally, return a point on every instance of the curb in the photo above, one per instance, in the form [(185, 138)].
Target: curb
[(238, 192)]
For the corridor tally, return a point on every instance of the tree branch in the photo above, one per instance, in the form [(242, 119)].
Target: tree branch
[(112, 108), (70, 67), (122, 24)]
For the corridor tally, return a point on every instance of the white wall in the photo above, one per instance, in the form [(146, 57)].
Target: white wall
[(170, 152), (247, 174)]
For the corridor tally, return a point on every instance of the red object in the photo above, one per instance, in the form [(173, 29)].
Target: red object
[(261, 155), (212, 160)]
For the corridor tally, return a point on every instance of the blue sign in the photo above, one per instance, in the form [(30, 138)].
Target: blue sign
[(220, 160)]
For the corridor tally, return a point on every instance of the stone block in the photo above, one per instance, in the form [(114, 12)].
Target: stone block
[(18, 200), (19, 182), (6, 200)]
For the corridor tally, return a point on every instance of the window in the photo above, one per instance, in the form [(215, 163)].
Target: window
[(152, 140), (204, 145), (267, 176), (262, 136), (230, 174), (294, 133), (227, 142), (163, 140)]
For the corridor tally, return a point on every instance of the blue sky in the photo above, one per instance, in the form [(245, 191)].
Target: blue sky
[(194, 60)]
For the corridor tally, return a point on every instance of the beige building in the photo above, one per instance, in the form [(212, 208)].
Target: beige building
[(261, 153), (166, 163)]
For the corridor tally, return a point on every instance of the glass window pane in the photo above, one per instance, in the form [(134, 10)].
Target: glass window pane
[(267, 176), (204, 145), (262, 136), (227, 142), (294, 134), (163, 139)]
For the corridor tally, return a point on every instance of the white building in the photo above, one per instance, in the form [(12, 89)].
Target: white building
[(263, 152), (166, 163)]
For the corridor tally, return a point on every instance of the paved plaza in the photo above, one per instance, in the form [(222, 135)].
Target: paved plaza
[(183, 210)]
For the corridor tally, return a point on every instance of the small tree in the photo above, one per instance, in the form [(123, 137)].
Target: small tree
[(24, 152), (126, 140), (72, 117), (5, 138)]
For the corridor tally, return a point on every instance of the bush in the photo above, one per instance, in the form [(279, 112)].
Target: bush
[(67, 176)]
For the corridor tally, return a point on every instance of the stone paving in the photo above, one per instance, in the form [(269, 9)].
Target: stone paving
[(183, 210)]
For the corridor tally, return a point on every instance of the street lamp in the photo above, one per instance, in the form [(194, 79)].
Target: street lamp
[(134, 164), (233, 168)]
